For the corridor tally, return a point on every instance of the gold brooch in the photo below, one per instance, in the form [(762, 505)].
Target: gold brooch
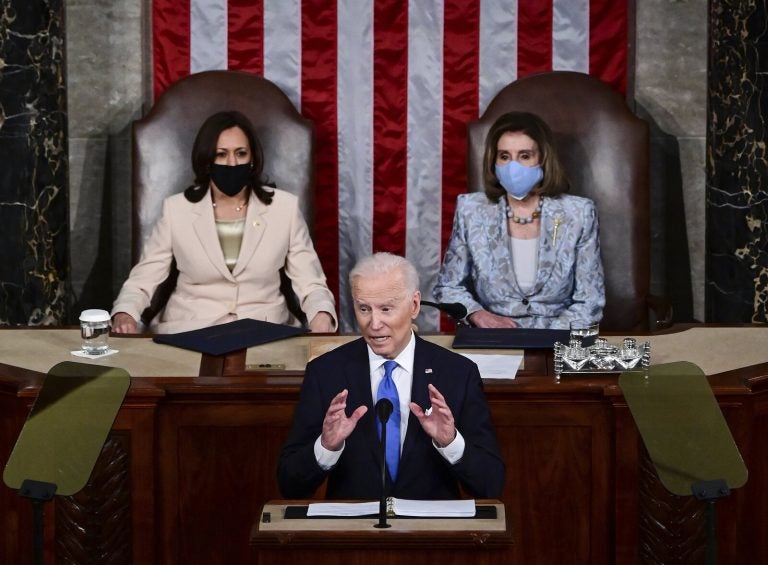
[(558, 221)]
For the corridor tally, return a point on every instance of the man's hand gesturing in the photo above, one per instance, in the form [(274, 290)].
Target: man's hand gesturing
[(336, 425)]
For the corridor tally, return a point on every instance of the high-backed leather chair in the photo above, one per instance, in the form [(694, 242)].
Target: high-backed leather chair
[(604, 148), (162, 148)]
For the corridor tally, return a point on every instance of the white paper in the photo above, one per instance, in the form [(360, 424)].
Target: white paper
[(342, 509), (400, 506), (434, 508), (81, 353), (496, 366)]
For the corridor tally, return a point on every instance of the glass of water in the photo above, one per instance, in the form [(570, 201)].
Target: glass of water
[(585, 332), (94, 330)]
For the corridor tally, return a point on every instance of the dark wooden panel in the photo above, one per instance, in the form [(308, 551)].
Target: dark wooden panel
[(557, 477), (549, 490), (219, 470), (16, 519)]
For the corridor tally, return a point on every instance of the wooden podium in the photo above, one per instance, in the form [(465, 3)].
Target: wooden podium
[(191, 460), (320, 541)]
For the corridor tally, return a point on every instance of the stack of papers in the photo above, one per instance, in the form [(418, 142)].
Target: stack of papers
[(496, 366), (396, 507), (438, 508)]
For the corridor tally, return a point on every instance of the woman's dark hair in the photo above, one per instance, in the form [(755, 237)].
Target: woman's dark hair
[(204, 154), (554, 182)]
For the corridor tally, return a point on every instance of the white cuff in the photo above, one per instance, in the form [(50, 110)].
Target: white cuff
[(327, 459), (454, 450)]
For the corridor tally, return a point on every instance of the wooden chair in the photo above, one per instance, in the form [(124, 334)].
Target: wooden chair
[(604, 148), (162, 147)]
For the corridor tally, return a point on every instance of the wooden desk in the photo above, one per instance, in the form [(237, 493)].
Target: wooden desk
[(355, 540), (191, 461)]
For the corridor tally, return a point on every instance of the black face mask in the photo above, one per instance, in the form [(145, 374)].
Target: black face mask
[(230, 179)]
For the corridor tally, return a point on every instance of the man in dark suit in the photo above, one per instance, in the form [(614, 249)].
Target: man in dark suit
[(445, 439)]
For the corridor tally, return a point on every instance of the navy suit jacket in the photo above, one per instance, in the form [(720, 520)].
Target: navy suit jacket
[(423, 473)]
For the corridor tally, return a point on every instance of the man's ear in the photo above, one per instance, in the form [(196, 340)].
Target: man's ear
[(416, 304)]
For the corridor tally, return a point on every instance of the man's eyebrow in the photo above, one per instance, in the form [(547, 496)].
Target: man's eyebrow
[(390, 303)]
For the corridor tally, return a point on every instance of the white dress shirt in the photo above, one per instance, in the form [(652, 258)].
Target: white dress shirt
[(525, 261), (402, 375)]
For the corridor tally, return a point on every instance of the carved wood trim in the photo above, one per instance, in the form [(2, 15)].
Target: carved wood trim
[(672, 528), (94, 525)]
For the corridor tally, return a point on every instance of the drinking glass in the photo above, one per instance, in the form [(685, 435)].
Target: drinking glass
[(94, 330), (585, 332)]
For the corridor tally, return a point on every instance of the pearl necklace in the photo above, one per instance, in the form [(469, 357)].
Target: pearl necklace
[(531, 218), (237, 208)]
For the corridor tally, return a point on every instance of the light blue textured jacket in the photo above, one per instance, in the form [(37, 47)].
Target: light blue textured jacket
[(477, 270)]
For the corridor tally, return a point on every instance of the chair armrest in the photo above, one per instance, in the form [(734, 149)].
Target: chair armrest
[(291, 300), (662, 312)]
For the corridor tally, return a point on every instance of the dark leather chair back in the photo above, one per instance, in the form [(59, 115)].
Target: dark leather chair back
[(162, 145), (604, 149)]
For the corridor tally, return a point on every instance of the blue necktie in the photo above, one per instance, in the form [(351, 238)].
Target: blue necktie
[(387, 389)]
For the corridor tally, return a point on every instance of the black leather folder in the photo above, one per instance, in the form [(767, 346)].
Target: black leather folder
[(226, 338), (507, 338)]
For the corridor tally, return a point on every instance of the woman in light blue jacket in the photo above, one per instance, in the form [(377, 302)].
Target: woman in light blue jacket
[(523, 253)]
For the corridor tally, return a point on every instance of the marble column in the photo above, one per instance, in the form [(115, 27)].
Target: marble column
[(33, 164), (737, 175)]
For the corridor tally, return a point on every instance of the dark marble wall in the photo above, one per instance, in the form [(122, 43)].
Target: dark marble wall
[(33, 163), (737, 175)]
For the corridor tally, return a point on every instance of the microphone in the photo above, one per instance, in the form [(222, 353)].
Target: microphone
[(384, 410), (455, 310)]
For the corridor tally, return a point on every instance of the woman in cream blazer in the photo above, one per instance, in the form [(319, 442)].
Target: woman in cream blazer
[(229, 243)]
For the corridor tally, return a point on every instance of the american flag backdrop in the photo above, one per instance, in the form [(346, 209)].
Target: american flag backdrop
[(390, 86)]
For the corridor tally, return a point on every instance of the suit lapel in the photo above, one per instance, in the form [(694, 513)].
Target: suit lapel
[(204, 226), (358, 378), (501, 256), (498, 236), (358, 382), (253, 232), (552, 213), (419, 395)]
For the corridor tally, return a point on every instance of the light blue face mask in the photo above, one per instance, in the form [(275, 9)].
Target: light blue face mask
[(518, 180)]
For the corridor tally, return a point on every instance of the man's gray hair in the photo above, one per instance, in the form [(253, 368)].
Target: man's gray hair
[(383, 263)]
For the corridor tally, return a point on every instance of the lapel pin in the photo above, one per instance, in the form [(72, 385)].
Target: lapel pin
[(428, 371), (558, 221)]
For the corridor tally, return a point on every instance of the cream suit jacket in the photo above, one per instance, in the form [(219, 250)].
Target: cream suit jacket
[(207, 293)]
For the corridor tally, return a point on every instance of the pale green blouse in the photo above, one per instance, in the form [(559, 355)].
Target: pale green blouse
[(230, 237)]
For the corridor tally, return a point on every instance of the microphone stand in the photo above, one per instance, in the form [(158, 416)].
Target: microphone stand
[(456, 311), (383, 500), (383, 411)]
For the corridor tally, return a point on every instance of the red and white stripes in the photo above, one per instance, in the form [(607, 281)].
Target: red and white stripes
[(390, 85)]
